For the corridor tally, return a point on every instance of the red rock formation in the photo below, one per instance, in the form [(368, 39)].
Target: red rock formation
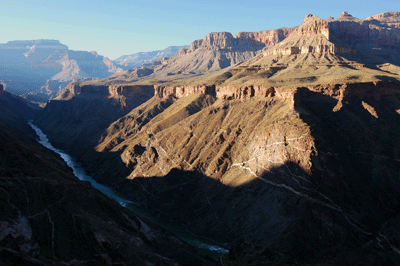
[(392, 19), (313, 26), (250, 40), (182, 91), (128, 91), (345, 16), (319, 40), (380, 30), (131, 91), (269, 37), (220, 39), (340, 92)]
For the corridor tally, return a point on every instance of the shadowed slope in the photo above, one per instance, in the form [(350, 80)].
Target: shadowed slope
[(48, 216)]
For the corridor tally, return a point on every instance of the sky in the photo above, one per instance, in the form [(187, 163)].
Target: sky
[(122, 27)]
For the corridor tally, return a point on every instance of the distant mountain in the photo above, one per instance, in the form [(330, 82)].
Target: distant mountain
[(217, 50), (138, 59), (38, 69)]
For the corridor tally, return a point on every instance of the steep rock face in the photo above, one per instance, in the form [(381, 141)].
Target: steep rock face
[(312, 37), (268, 38), (312, 26), (380, 30), (243, 40), (182, 91), (392, 19), (220, 39), (340, 92), (112, 91)]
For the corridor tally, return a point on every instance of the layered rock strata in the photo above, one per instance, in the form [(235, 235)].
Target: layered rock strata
[(379, 30), (251, 41), (311, 27), (109, 91), (340, 92)]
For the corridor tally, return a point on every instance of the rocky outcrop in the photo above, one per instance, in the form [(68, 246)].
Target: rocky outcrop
[(380, 30), (392, 19), (312, 37), (131, 91), (268, 38), (345, 16), (219, 39), (313, 26), (341, 92), (251, 41), (127, 91), (182, 91)]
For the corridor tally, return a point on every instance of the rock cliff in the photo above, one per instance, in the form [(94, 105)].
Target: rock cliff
[(112, 91), (379, 31), (339, 92), (313, 36), (392, 19), (250, 41)]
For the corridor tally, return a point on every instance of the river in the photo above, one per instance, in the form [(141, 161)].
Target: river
[(202, 245)]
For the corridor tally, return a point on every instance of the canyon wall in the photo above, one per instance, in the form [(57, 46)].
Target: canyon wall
[(381, 30), (319, 37), (128, 91), (339, 92), (251, 41)]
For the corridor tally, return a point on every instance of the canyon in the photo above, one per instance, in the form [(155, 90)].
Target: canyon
[(281, 145), (49, 216)]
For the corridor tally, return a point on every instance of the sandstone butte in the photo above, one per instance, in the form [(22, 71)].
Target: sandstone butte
[(294, 151)]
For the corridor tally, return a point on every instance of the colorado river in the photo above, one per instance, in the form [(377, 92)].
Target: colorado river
[(203, 246)]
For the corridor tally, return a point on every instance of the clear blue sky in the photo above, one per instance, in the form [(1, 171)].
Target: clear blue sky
[(121, 27)]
